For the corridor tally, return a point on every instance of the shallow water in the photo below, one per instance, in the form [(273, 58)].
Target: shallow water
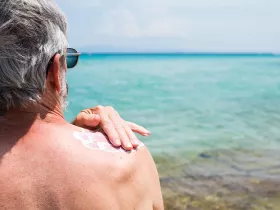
[(239, 180), (211, 117)]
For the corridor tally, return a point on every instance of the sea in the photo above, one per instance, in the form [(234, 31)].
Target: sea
[(210, 115)]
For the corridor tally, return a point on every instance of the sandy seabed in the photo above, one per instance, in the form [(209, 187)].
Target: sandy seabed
[(224, 180)]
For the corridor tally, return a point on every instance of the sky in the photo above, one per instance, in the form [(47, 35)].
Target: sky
[(173, 25)]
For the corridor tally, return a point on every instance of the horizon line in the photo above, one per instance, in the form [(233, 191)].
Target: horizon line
[(181, 53)]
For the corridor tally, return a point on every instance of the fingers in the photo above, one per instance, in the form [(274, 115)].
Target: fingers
[(122, 130), (119, 132), (131, 136), (109, 128), (125, 140), (138, 129)]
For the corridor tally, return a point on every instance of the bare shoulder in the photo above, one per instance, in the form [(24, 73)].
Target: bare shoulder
[(98, 168), (92, 149), (96, 144)]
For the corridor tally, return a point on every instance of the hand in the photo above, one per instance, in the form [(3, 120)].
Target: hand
[(119, 132)]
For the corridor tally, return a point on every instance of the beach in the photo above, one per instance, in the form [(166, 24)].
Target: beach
[(215, 121)]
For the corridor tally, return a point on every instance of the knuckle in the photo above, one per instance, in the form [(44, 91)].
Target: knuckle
[(99, 107), (119, 127), (106, 123), (85, 111)]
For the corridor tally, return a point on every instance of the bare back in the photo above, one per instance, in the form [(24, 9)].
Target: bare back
[(59, 166)]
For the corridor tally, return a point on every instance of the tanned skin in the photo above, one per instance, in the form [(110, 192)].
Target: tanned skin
[(47, 163)]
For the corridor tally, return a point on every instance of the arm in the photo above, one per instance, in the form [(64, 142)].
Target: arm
[(153, 182)]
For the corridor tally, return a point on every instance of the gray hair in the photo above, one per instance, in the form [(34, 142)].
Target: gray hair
[(31, 32)]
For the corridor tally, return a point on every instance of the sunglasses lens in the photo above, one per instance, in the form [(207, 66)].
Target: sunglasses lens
[(72, 58), (71, 61)]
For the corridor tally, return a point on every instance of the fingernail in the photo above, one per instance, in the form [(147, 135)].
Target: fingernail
[(118, 141), (146, 134), (129, 146), (135, 142)]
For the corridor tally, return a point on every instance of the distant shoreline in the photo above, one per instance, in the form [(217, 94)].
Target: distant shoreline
[(180, 53)]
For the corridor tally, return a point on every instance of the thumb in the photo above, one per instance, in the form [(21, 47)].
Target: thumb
[(87, 120), (91, 120)]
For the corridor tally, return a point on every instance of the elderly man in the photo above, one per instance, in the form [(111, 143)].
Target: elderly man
[(45, 162)]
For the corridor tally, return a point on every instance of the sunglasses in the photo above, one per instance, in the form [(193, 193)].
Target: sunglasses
[(72, 58)]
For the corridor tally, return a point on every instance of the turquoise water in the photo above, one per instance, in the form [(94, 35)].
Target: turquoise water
[(190, 104)]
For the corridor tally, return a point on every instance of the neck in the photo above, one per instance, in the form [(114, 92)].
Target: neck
[(38, 112), (48, 110)]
